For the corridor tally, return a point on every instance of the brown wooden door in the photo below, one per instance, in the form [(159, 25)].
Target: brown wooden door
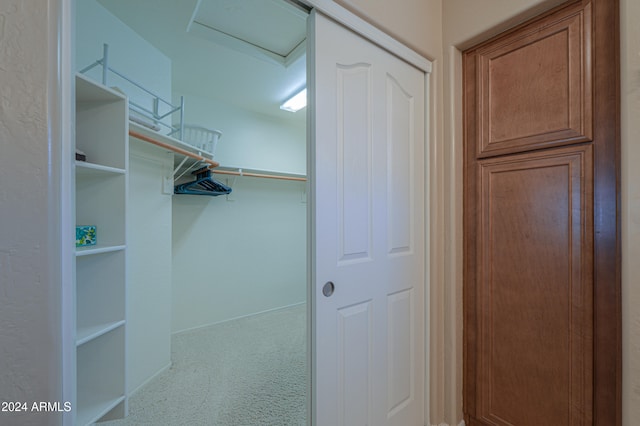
[(541, 285)]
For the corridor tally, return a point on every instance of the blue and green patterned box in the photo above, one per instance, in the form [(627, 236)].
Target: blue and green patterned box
[(85, 236)]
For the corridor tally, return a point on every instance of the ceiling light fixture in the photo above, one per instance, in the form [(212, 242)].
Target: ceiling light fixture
[(296, 102)]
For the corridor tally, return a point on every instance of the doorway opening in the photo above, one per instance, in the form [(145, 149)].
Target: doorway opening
[(216, 295)]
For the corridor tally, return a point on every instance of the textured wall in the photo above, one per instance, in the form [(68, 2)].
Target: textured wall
[(29, 278), (630, 89), (416, 23)]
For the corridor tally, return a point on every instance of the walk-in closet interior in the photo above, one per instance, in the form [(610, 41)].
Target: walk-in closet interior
[(191, 289)]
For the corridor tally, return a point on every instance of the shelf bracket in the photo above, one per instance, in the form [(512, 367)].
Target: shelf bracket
[(231, 196)]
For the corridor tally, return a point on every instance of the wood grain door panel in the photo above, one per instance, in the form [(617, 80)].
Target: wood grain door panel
[(542, 314), (535, 87), (534, 294)]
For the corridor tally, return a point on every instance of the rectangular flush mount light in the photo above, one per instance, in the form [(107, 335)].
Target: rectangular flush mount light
[(296, 102)]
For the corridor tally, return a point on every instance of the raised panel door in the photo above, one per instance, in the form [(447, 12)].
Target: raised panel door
[(541, 227), (534, 294), (534, 86)]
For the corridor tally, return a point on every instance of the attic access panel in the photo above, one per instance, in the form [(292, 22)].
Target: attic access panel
[(274, 30)]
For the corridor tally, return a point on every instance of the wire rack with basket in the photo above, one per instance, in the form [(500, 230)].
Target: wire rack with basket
[(201, 138)]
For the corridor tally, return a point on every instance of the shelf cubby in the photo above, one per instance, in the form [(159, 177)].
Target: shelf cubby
[(101, 376), (100, 292), (100, 280)]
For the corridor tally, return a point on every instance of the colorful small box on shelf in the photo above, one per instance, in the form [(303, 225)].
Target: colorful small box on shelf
[(85, 236)]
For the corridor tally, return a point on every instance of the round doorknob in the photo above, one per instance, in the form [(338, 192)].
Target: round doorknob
[(328, 289)]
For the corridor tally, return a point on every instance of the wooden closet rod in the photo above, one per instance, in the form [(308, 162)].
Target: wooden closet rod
[(260, 175), (181, 151), (211, 163)]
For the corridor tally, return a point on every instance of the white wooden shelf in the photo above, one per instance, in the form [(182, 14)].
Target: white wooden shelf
[(92, 413), (88, 90), (87, 334), (98, 249), (101, 378), (96, 170)]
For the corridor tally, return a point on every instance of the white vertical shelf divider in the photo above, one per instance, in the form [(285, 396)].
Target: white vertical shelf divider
[(100, 286)]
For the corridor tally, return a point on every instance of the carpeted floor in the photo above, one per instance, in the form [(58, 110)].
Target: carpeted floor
[(246, 372)]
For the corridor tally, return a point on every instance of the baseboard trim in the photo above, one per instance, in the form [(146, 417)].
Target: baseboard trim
[(173, 333), (447, 424), (149, 379)]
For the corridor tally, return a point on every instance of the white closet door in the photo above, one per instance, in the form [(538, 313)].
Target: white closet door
[(367, 124)]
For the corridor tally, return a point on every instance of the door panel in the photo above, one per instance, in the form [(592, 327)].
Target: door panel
[(367, 168), (400, 350), (535, 87), (354, 364), (400, 209), (353, 112), (541, 242), (534, 293)]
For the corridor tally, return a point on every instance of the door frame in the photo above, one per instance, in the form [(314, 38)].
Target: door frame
[(61, 63)]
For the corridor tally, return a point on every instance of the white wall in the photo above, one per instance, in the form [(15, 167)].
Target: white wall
[(249, 139), (30, 230), (248, 255), (129, 53), (149, 263), (149, 211), (235, 258)]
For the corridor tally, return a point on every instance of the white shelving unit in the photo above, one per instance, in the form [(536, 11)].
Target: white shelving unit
[(100, 287)]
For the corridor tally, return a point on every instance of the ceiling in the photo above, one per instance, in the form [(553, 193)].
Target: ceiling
[(250, 53), (272, 27)]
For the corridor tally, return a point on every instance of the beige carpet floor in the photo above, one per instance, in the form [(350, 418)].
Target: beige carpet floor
[(245, 372)]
